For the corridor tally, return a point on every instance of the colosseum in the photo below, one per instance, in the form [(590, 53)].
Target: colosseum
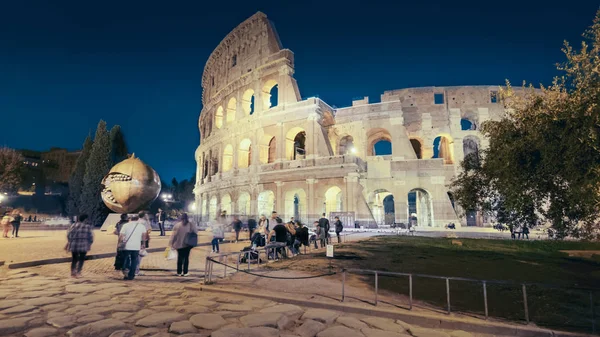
[(263, 147)]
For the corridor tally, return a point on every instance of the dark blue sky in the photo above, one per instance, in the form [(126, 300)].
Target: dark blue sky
[(64, 65)]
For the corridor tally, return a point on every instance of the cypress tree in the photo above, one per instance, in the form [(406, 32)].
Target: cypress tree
[(118, 145), (97, 166), (76, 178)]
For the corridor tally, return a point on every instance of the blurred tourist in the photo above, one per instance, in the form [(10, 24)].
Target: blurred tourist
[(143, 218), (251, 227), (119, 259), (177, 242), (162, 217), (339, 227), (218, 231), (80, 237), (133, 238), (324, 225)]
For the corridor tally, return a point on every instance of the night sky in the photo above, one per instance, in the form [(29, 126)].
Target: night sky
[(64, 65)]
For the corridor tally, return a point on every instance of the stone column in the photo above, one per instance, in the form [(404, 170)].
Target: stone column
[(350, 203), (311, 197), (279, 202), (312, 128), (280, 141), (254, 201)]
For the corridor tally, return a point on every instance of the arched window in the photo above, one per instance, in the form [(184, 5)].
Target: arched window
[(272, 150), (346, 146), (382, 148), (466, 124), (244, 153), (300, 145), (442, 149), (420, 208), (471, 152), (248, 102), (266, 203), (227, 158), (231, 109), (333, 200), (379, 142), (274, 96), (381, 204), (270, 92), (219, 117), (416, 145)]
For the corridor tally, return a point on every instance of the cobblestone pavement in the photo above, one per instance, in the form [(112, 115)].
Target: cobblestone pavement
[(37, 305)]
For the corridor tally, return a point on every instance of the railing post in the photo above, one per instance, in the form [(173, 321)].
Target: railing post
[(376, 287), (248, 258), (448, 293), (410, 291), (205, 270), (525, 303), (592, 312), (485, 304), (258, 257), (343, 284)]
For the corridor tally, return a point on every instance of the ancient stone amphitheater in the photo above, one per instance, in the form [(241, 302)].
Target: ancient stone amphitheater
[(263, 147)]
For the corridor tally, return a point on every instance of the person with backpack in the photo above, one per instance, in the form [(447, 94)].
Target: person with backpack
[(179, 236), (80, 237), (339, 227)]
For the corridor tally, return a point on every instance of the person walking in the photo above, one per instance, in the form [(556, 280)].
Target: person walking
[(119, 259), (178, 242), (324, 224), (16, 223), (237, 227), (339, 227), (80, 237), (218, 234), (6, 224), (132, 238), (251, 227), (162, 217), (525, 232)]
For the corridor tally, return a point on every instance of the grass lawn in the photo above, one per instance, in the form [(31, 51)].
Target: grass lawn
[(505, 260)]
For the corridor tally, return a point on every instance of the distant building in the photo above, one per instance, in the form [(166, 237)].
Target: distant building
[(59, 164), (45, 169)]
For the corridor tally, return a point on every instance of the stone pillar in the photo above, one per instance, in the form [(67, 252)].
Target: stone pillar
[(279, 202), (281, 142), (311, 197), (312, 128), (351, 193), (254, 201), (454, 120), (458, 154)]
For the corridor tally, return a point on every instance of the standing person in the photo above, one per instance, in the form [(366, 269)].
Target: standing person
[(218, 234), (302, 235), (16, 223), (80, 237), (339, 227), (525, 232), (275, 219), (143, 218), (237, 227), (251, 227), (324, 224), (162, 217), (177, 241), (133, 237), (6, 224), (119, 259)]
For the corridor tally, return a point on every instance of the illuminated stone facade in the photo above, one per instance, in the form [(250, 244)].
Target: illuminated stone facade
[(265, 148)]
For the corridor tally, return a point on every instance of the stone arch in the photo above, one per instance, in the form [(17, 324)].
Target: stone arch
[(219, 117), (245, 153), (268, 147), (417, 146), (243, 203), (266, 203), (270, 89), (471, 151), (346, 146), (467, 124), (376, 135), (212, 208), (442, 148), (381, 204), (228, 158), (226, 203), (334, 200), (295, 204), (248, 103), (231, 110), (295, 143), (420, 208)]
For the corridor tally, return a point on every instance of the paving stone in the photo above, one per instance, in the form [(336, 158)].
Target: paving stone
[(93, 311), (203, 302), (64, 321), (157, 303), (337, 331), (125, 307), (89, 299), (230, 314), (195, 335), (101, 304), (18, 309), (229, 300), (54, 307), (5, 304), (102, 328), (423, 332), (321, 315), (208, 321), (162, 334), (42, 301), (12, 325), (42, 332), (161, 308), (87, 288), (460, 333), (287, 309), (246, 332), (113, 291), (55, 314), (123, 333), (192, 309), (351, 322), (176, 303), (139, 315), (264, 319), (121, 315), (148, 332), (310, 328), (34, 294), (235, 307), (90, 318), (384, 324), (160, 319), (182, 327), (405, 325), (368, 332)]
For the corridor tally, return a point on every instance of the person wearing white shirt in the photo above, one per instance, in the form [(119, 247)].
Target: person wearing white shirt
[(134, 236)]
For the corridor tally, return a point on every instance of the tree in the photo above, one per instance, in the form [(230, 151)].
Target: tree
[(97, 166), (543, 162), (11, 170), (76, 178), (118, 145)]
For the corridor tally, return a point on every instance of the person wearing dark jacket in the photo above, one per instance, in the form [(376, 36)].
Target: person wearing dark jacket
[(324, 224), (162, 217), (16, 223), (251, 227), (338, 228), (237, 227), (302, 235)]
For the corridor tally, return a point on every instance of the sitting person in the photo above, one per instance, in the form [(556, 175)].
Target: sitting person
[(291, 237), (279, 233), (302, 237)]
